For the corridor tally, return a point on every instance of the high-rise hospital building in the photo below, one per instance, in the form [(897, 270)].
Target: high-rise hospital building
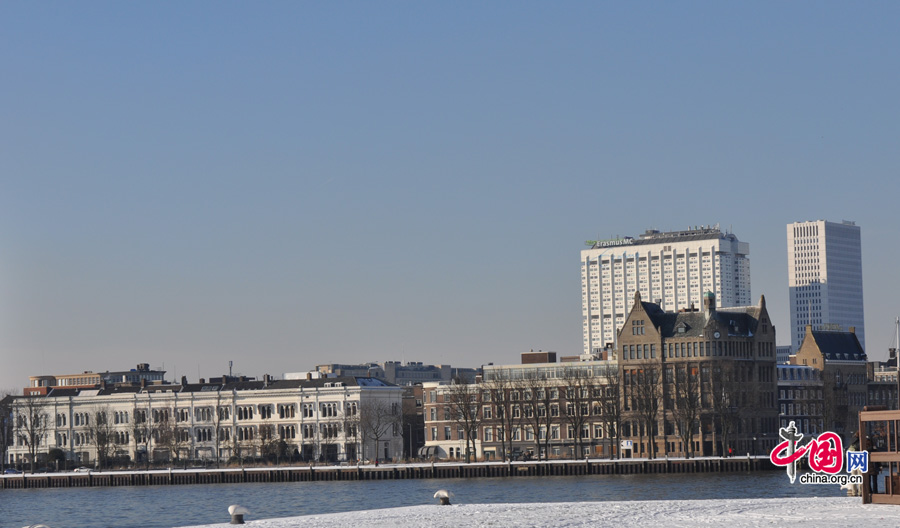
[(825, 278), (673, 269)]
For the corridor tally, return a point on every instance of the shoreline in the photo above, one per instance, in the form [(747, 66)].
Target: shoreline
[(441, 470)]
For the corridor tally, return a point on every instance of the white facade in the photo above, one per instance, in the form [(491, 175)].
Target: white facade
[(673, 269), (318, 419), (825, 278)]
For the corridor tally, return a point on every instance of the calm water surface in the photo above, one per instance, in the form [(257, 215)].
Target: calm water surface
[(171, 506)]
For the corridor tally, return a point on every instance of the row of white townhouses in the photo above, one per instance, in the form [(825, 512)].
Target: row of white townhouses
[(329, 419)]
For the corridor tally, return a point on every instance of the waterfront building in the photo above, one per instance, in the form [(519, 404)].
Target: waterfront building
[(698, 382), (841, 359), (330, 419), (825, 278), (881, 389), (88, 378), (531, 410), (783, 354), (412, 373), (800, 398), (673, 269)]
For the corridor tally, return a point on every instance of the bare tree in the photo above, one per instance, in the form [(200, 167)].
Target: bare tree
[(725, 398), (579, 390), (352, 435), (646, 395), (102, 434), (32, 423), (538, 402), (611, 404), (220, 415), (377, 420), (465, 409), (141, 431), (499, 391), (6, 425), (163, 431), (686, 410), (268, 441)]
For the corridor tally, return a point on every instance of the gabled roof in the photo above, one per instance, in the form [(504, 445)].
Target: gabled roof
[(738, 321), (839, 346)]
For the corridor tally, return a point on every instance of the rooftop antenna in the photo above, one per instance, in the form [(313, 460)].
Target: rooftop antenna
[(230, 363)]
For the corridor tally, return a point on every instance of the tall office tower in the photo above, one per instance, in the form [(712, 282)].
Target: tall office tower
[(825, 278), (671, 269)]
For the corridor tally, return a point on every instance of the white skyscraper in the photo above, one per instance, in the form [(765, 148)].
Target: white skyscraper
[(825, 278), (672, 269)]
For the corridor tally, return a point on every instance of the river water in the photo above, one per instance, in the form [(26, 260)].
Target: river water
[(171, 506)]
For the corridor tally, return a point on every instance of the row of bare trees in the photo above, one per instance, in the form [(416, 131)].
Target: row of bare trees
[(573, 397), (719, 392), (717, 397)]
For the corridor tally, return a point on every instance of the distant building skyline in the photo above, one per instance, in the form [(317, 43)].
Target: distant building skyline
[(673, 269), (825, 279)]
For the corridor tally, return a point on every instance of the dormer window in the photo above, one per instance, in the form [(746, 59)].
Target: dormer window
[(681, 328)]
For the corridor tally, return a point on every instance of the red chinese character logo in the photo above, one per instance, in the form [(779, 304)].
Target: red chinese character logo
[(826, 453)]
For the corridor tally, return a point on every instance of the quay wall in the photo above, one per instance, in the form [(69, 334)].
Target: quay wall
[(441, 470)]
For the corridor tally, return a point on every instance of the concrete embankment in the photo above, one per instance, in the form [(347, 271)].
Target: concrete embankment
[(384, 472)]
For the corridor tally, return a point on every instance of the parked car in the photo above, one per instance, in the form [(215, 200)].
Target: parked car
[(12, 471), (82, 469)]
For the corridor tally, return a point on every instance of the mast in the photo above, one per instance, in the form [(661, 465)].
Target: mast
[(892, 353)]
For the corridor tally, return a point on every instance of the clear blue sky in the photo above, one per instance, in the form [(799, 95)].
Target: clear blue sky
[(284, 184)]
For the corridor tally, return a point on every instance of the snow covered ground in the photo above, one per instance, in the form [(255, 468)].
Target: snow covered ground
[(733, 513)]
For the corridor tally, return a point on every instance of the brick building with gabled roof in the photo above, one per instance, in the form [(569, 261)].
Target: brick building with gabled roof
[(710, 374), (842, 360)]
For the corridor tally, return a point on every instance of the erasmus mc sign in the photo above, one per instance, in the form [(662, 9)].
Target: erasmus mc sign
[(610, 243)]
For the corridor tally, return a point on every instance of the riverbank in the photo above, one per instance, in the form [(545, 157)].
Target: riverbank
[(444, 470), (734, 513)]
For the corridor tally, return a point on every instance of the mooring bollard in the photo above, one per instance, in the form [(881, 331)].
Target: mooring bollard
[(237, 513), (444, 497)]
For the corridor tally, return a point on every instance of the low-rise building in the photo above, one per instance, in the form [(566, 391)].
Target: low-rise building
[(412, 373), (40, 385), (800, 398), (532, 410), (882, 386), (329, 419)]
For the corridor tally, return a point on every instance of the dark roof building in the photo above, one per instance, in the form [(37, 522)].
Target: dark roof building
[(842, 360), (710, 372)]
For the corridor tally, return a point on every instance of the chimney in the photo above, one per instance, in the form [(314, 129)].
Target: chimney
[(852, 329), (143, 383), (103, 384), (184, 380), (308, 376), (265, 380)]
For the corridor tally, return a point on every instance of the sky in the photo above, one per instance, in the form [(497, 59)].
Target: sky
[(286, 184)]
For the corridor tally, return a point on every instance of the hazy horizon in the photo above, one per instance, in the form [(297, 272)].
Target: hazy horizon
[(285, 185)]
